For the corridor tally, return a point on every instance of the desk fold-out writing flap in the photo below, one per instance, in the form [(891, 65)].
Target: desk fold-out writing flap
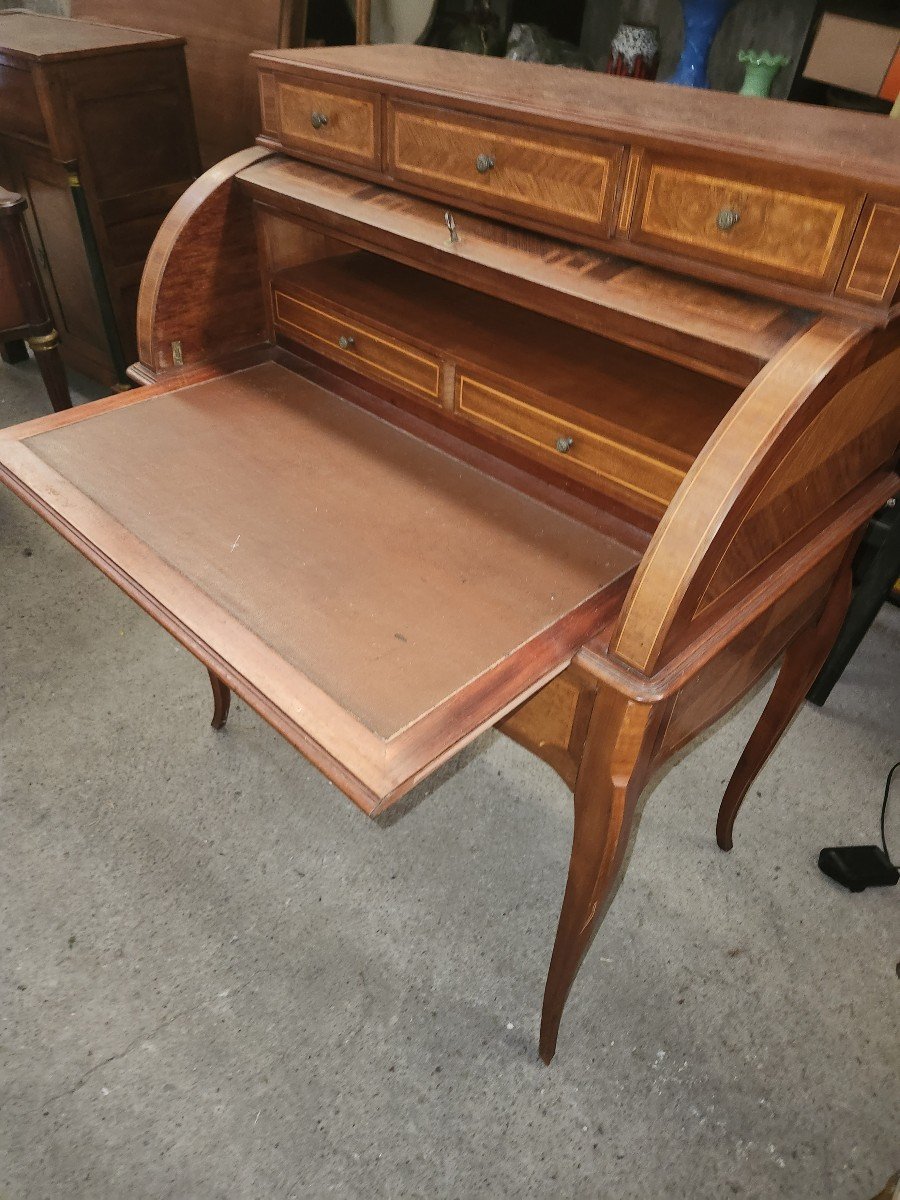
[(375, 598)]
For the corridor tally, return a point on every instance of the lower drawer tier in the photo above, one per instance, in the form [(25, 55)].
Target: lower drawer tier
[(615, 419), (565, 443)]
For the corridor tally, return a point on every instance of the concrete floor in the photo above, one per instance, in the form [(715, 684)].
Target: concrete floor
[(220, 980)]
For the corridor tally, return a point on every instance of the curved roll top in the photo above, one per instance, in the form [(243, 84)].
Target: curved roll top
[(818, 421)]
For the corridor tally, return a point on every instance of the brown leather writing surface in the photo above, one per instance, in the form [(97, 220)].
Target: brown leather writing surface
[(383, 571)]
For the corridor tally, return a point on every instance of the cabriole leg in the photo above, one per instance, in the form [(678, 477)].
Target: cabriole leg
[(221, 701), (802, 663), (612, 773)]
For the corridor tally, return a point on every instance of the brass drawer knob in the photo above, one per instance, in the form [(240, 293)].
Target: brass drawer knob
[(727, 219), (318, 120), (564, 444), (484, 163), (346, 341)]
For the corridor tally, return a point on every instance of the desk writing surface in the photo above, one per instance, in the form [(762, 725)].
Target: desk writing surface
[(387, 572)]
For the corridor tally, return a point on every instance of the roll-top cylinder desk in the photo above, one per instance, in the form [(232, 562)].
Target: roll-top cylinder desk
[(484, 394)]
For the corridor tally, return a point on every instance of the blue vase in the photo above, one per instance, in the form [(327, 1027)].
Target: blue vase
[(702, 19)]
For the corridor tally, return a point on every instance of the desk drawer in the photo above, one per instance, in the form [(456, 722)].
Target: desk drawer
[(559, 180), (564, 444), (733, 220), (355, 345), (328, 122)]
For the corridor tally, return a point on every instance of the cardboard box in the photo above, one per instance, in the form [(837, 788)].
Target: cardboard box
[(858, 55)]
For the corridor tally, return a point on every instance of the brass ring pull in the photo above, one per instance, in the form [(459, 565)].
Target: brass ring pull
[(318, 120), (564, 444), (346, 341), (484, 163), (727, 219)]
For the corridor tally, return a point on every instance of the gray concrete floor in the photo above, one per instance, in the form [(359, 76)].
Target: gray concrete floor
[(219, 979)]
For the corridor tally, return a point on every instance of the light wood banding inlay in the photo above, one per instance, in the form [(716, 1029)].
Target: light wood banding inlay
[(371, 353), (351, 132), (567, 180), (590, 454), (802, 235)]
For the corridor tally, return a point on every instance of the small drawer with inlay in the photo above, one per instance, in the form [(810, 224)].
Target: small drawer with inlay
[(356, 345), (557, 179), (566, 444), (798, 234), (333, 122)]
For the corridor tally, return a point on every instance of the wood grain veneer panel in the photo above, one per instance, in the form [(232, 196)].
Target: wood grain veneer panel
[(568, 180), (856, 432), (635, 423), (744, 659), (359, 346), (724, 482), (386, 572), (850, 144), (801, 233), (725, 333), (351, 131), (873, 265)]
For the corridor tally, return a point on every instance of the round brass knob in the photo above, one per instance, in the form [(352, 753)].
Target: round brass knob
[(727, 219), (484, 163), (346, 341), (318, 120), (564, 444)]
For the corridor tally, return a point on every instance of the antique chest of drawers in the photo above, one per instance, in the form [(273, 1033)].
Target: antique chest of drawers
[(96, 131), (483, 394)]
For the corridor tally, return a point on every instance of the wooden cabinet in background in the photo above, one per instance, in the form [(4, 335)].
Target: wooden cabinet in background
[(96, 131), (219, 39)]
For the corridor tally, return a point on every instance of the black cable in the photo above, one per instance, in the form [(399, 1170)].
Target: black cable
[(887, 792)]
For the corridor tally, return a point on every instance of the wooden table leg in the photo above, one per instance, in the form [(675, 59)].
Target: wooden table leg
[(610, 779), (53, 372), (221, 701), (802, 663)]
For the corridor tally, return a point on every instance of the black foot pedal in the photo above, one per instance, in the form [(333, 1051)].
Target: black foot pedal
[(858, 867)]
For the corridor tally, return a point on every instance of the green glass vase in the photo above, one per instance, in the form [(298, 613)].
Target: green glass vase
[(761, 69)]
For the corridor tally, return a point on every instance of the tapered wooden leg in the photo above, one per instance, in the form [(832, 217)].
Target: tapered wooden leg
[(53, 372), (802, 663), (612, 773), (221, 701)]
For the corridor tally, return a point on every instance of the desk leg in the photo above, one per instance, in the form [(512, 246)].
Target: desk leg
[(611, 776), (53, 373), (802, 663), (221, 701)]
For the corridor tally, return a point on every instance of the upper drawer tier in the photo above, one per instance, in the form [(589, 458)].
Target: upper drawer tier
[(558, 180), (327, 122), (734, 218)]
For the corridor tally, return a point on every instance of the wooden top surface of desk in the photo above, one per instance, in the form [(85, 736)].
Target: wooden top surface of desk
[(51, 39), (851, 143), (369, 583)]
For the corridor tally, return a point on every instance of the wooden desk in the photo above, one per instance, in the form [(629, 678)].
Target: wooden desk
[(96, 132), (579, 456)]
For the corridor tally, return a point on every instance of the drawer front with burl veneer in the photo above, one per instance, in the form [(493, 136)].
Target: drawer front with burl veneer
[(357, 345), (555, 179), (331, 123), (568, 445), (797, 234)]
